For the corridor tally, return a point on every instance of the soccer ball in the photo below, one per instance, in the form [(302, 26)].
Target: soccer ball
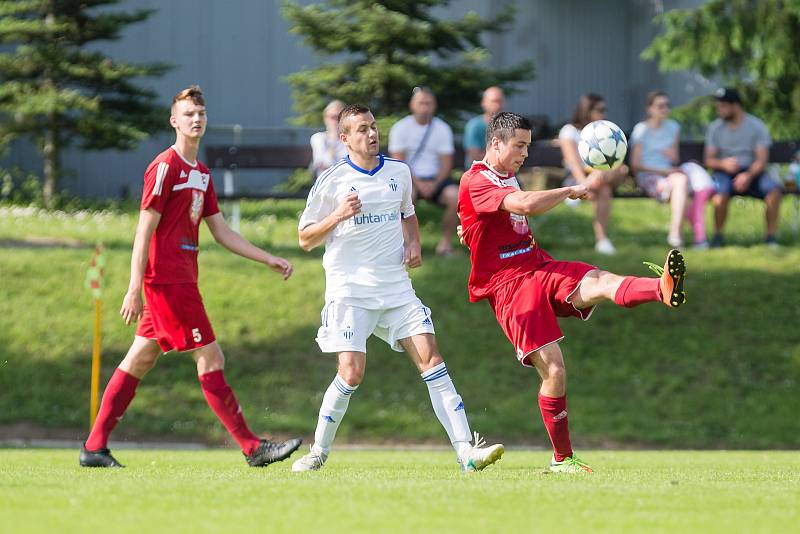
[(603, 145)]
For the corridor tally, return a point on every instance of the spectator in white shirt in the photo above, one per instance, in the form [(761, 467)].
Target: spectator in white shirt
[(425, 143), (326, 148)]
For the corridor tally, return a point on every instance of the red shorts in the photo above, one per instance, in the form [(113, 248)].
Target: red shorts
[(528, 307), (175, 317)]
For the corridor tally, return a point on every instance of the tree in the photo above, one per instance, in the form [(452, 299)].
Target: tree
[(387, 47), (59, 92), (750, 44)]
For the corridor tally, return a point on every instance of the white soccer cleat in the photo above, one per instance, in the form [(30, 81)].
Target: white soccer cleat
[(480, 456), (313, 461)]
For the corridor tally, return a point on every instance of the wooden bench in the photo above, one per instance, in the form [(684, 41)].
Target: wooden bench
[(544, 155)]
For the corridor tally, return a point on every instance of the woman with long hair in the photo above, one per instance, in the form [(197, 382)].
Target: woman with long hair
[(601, 184)]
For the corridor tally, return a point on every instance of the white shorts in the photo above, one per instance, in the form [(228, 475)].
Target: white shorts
[(346, 327)]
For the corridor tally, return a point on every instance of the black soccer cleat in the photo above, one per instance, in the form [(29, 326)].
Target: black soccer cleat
[(98, 458), (271, 451)]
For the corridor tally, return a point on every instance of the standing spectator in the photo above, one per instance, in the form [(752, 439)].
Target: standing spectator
[(326, 148), (425, 142), (493, 101), (654, 158), (737, 150), (591, 107)]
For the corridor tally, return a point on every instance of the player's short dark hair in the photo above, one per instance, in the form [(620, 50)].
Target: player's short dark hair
[(193, 93), (503, 124), (351, 111)]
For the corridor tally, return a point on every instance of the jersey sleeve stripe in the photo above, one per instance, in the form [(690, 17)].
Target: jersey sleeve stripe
[(161, 173), (494, 179)]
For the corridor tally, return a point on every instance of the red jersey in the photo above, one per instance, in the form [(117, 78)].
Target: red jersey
[(183, 194), (501, 245)]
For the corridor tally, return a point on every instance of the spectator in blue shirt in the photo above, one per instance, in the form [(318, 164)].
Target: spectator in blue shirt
[(493, 101)]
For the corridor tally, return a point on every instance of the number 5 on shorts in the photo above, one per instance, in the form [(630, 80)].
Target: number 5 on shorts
[(196, 335)]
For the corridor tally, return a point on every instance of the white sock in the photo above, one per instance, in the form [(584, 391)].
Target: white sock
[(334, 406), (449, 408)]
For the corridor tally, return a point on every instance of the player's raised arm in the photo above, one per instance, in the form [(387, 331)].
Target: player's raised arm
[(132, 304), (538, 202), (315, 233), (233, 241)]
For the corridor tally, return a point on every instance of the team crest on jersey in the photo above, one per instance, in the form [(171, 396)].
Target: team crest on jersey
[(195, 180), (393, 184), (348, 334), (519, 223), (196, 207)]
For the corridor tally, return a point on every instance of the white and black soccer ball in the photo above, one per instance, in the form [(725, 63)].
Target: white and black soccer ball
[(603, 145)]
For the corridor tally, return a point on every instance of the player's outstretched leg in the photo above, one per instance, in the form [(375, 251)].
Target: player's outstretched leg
[(667, 289), (334, 406), (222, 401), (119, 393), (117, 397), (450, 411)]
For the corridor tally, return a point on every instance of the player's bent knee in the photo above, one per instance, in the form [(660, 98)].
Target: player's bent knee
[(352, 375), (429, 363), (209, 359)]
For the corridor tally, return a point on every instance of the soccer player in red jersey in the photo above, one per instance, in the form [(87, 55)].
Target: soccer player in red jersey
[(178, 194), (527, 289)]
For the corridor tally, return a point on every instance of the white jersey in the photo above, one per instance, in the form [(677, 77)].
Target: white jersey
[(364, 255)]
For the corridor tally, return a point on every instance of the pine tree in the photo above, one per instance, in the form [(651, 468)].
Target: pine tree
[(382, 49), (58, 92), (753, 45)]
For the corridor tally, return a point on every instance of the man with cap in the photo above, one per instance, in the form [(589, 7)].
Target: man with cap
[(737, 151)]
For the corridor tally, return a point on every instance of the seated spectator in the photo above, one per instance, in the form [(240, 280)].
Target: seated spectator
[(493, 101), (326, 148), (737, 150), (425, 142), (654, 159), (601, 184)]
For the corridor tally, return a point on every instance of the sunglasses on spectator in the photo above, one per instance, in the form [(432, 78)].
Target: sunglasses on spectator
[(601, 109)]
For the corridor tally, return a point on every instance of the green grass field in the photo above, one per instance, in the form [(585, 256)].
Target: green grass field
[(397, 491), (721, 372)]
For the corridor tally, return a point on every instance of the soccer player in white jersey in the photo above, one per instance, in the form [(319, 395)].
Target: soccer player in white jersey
[(361, 210)]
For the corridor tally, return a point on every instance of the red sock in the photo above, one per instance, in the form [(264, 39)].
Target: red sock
[(220, 397), (554, 415), (118, 395), (634, 291)]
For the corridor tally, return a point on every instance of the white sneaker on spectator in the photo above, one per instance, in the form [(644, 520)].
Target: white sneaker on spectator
[(675, 242), (605, 247), (702, 245)]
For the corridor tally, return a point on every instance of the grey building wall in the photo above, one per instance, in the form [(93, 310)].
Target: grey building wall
[(239, 51)]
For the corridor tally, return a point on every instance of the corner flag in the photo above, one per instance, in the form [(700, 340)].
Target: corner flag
[(94, 282)]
